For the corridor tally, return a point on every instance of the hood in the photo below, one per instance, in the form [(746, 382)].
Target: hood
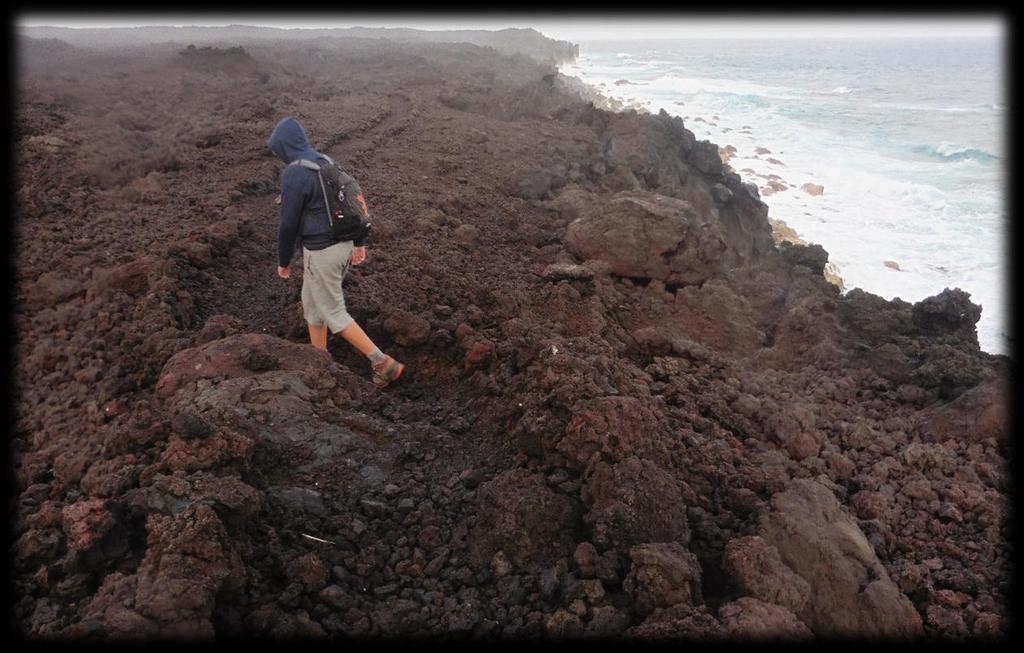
[(289, 141)]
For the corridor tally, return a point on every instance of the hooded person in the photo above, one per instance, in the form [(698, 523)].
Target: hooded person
[(304, 217)]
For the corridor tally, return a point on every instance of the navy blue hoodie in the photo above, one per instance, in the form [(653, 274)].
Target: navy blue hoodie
[(302, 199)]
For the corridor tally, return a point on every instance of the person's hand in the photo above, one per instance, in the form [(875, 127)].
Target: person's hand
[(284, 273), (358, 255)]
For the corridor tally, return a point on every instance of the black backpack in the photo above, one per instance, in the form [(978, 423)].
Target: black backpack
[(347, 212)]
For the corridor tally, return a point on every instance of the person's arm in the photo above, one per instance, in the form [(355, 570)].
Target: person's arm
[(292, 202)]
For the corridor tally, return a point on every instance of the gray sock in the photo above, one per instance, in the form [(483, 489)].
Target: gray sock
[(376, 356)]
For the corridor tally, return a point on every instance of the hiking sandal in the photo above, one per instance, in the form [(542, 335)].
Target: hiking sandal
[(387, 373)]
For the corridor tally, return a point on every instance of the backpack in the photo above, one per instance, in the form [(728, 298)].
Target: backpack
[(347, 212)]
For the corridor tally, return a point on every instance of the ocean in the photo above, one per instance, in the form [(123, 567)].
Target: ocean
[(906, 137)]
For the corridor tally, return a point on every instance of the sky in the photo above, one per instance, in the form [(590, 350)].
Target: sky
[(584, 27)]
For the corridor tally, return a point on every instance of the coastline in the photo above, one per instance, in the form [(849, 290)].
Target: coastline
[(894, 211), (781, 231)]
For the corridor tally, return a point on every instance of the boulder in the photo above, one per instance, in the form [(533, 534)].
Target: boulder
[(663, 574), (949, 312), (811, 256), (978, 414), (634, 502), (750, 619), (236, 357), (171, 495), (133, 278), (721, 193), (792, 426), (173, 592), (520, 515), (52, 289), (704, 156), (649, 236), (86, 523), (406, 328), (679, 622), (529, 184), (650, 151), (851, 594), (612, 428), (759, 572)]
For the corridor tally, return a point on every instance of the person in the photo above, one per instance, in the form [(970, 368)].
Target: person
[(304, 215)]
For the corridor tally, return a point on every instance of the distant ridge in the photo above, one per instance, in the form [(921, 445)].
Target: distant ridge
[(524, 41)]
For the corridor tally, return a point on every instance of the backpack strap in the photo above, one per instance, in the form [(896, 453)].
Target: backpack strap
[(312, 165)]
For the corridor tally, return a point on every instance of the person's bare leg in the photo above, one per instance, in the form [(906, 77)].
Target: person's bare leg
[(356, 337), (318, 335)]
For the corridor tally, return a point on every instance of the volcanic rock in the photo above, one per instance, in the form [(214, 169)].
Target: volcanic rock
[(850, 591), (759, 572), (86, 523), (522, 517), (660, 238), (634, 502), (662, 575), (750, 619)]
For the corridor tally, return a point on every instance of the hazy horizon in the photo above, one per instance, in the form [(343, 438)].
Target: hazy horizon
[(593, 27)]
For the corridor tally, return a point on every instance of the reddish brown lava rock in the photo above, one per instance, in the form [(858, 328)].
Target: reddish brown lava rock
[(132, 278), (521, 516), (613, 428), (662, 575), (759, 572), (310, 571), (633, 502), (109, 478), (660, 237), (219, 326), (86, 523), (793, 427), (52, 289), (679, 622), (872, 505), (406, 328), (478, 353), (979, 413), (227, 358), (173, 591), (750, 619), (220, 450)]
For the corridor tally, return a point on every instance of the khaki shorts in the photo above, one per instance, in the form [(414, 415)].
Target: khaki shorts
[(322, 274)]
